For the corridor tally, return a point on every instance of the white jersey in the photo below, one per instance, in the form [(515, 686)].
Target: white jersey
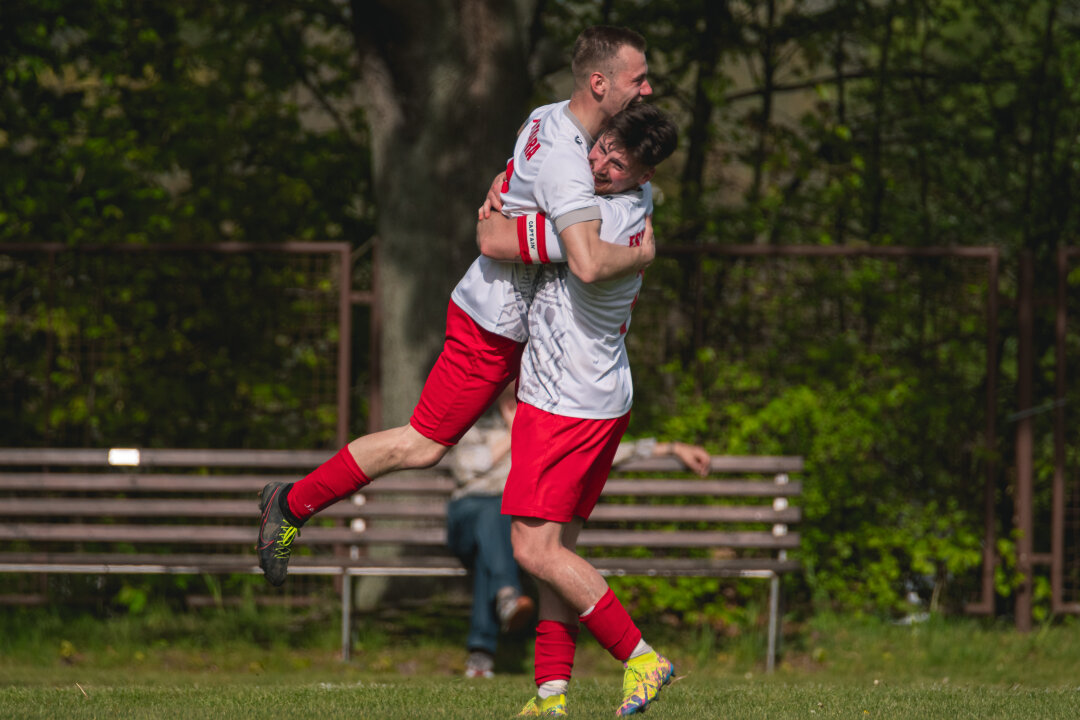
[(548, 173), (575, 363)]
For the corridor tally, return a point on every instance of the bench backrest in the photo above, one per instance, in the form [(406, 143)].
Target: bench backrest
[(197, 510)]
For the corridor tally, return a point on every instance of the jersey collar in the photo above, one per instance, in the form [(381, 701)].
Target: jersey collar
[(589, 140)]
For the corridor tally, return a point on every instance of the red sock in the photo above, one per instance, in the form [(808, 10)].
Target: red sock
[(336, 479), (555, 645), (611, 625)]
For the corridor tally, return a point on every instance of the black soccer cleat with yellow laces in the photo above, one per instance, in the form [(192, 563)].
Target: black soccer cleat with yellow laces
[(276, 534)]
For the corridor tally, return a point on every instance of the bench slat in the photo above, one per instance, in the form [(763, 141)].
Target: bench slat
[(236, 534), (686, 539), (221, 563), (117, 562), (692, 567), (306, 460), (694, 513), (120, 482), (213, 534), (764, 464), (99, 457), (719, 488), (136, 482), (220, 509)]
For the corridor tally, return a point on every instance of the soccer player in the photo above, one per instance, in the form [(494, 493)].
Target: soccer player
[(479, 534), (575, 393), (486, 322)]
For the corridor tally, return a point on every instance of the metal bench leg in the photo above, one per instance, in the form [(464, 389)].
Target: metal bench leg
[(346, 617), (774, 621)]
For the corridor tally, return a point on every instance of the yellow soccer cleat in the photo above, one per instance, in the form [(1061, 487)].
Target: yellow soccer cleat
[(552, 706), (642, 680)]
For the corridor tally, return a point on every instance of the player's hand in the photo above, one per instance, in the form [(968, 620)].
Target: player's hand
[(694, 457), (494, 197), (648, 244)]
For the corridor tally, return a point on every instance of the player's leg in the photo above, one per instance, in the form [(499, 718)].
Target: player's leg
[(539, 551), (474, 366), (574, 461), (556, 637), (645, 670), (287, 506)]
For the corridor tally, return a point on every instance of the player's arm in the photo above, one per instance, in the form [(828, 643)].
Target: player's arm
[(564, 187), (593, 260), (529, 239)]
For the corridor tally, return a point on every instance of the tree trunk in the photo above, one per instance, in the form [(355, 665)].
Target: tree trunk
[(446, 87)]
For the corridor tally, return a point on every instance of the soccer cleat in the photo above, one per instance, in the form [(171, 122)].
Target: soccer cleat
[(642, 680), (276, 535), (515, 611), (551, 706)]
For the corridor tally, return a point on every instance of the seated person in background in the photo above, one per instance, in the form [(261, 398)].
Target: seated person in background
[(479, 534)]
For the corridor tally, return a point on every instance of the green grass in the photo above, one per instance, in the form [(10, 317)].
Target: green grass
[(277, 665)]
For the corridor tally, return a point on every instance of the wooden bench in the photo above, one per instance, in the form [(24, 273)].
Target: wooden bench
[(195, 511)]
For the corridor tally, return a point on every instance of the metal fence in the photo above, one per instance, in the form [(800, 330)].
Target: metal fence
[(120, 345), (741, 327), (1065, 507)]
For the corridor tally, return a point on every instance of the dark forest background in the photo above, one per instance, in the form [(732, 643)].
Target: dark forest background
[(867, 125)]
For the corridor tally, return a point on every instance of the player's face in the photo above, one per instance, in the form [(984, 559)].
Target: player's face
[(629, 80), (613, 169)]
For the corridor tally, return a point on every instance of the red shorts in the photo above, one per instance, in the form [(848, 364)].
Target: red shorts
[(470, 372), (559, 465)]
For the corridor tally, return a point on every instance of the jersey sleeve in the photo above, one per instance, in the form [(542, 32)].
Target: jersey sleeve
[(538, 243), (564, 189), (620, 215), (623, 215)]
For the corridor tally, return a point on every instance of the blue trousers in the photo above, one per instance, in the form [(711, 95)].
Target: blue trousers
[(479, 535)]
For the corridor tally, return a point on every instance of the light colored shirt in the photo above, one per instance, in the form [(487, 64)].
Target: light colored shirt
[(575, 363), (549, 173)]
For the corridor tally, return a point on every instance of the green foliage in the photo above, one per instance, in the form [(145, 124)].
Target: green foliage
[(871, 370), (827, 124), (172, 125)]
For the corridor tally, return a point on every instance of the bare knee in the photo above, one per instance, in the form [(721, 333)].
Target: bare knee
[(400, 448), (531, 550), (418, 451), (527, 557)]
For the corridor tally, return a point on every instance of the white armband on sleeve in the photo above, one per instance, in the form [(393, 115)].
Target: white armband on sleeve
[(537, 240)]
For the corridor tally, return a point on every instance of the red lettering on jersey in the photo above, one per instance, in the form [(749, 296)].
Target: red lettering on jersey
[(533, 144), (635, 239), (509, 174)]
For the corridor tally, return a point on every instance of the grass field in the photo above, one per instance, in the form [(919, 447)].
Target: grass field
[(270, 665)]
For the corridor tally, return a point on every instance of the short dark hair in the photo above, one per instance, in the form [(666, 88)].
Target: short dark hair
[(645, 132), (597, 47)]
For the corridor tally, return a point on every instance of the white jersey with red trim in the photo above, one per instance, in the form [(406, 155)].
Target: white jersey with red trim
[(575, 363), (548, 173)]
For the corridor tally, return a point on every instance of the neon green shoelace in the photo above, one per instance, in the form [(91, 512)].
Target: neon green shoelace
[(283, 547)]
